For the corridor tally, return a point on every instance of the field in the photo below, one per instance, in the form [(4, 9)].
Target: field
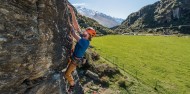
[(160, 62)]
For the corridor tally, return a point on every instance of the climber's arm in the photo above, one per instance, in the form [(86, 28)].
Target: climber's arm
[(74, 20), (73, 33)]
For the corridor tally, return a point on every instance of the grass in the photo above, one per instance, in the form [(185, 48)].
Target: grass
[(161, 62)]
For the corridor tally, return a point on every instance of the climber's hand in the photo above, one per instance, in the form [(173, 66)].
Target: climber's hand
[(70, 8), (70, 25), (74, 19)]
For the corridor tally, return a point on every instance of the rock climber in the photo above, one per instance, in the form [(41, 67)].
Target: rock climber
[(81, 46)]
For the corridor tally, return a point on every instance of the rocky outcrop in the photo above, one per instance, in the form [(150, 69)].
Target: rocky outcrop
[(34, 46), (170, 14)]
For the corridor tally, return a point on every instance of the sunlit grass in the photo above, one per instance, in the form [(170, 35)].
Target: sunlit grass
[(162, 62)]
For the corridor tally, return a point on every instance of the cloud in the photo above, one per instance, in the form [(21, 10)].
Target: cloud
[(79, 4)]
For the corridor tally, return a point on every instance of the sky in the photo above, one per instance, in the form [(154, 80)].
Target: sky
[(114, 8)]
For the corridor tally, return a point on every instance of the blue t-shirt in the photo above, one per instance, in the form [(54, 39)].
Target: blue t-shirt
[(81, 47)]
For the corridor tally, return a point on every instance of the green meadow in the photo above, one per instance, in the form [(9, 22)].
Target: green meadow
[(160, 62)]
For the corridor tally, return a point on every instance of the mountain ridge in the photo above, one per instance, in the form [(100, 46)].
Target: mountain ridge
[(85, 22), (103, 19), (172, 15)]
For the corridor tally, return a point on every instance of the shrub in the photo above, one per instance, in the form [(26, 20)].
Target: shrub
[(125, 84), (122, 83), (95, 56), (105, 81)]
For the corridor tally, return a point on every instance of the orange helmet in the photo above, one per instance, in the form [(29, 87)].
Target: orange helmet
[(91, 31)]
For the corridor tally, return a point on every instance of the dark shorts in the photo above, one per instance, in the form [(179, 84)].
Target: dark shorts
[(77, 61)]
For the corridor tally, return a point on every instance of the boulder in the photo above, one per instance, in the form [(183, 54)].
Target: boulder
[(35, 43), (92, 75)]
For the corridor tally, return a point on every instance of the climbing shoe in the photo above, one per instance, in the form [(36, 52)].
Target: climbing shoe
[(70, 90)]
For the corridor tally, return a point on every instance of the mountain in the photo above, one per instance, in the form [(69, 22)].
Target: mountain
[(164, 15), (102, 18), (85, 22)]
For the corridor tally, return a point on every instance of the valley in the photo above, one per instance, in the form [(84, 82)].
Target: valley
[(161, 62)]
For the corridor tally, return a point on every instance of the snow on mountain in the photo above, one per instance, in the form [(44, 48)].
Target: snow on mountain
[(102, 18)]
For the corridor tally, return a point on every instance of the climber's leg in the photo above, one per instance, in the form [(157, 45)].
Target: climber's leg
[(69, 61), (68, 73)]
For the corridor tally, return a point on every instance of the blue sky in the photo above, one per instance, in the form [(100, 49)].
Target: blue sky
[(115, 8)]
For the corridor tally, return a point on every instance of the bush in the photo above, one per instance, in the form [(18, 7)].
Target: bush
[(122, 84), (105, 81), (95, 56), (125, 84)]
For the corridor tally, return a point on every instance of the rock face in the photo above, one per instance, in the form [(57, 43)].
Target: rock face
[(34, 46), (164, 13)]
